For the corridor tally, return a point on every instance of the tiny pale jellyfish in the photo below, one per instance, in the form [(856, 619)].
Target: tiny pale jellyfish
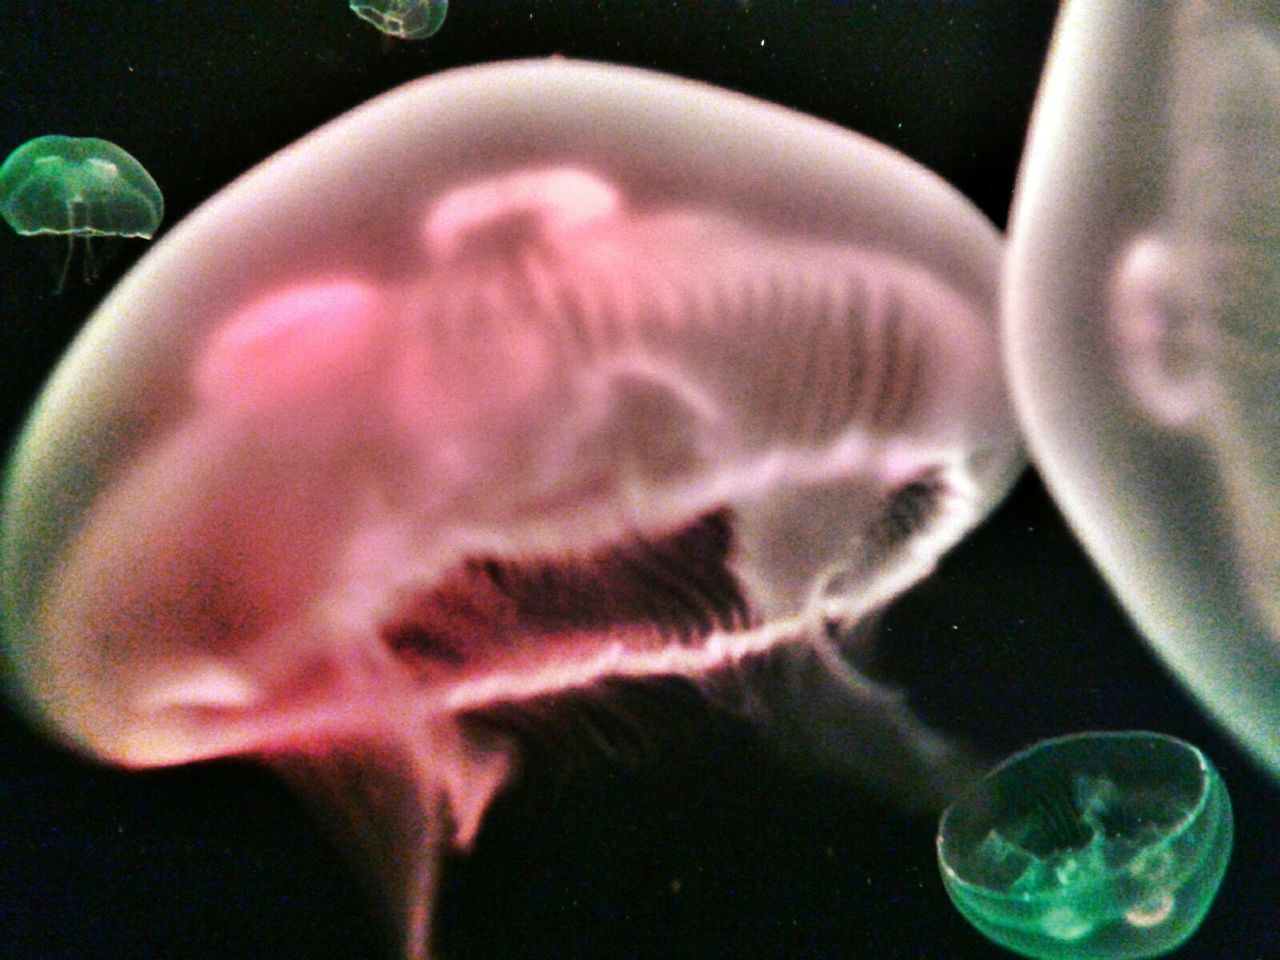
[(403, 19), (463, 410), (78, 187), (1098, 845), (1144, 353)]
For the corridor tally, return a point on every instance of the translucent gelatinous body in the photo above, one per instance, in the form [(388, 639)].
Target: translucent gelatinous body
[(460, 407), (403, 19), (81, 186), (1099, 846), (1144, 351)]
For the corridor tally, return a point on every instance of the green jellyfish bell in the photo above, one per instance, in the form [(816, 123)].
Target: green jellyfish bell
[(403, 19), (78, 186), (1098, 846)]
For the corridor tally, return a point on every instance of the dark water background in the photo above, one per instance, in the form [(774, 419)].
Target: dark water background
[(704, 848)]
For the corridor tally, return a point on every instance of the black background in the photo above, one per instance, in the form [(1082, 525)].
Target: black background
[(697, 847)]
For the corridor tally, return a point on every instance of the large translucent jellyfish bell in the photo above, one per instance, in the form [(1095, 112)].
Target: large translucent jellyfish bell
[(1142, 297), (475, 399)]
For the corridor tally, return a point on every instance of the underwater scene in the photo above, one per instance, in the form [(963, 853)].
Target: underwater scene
[(642, 479)]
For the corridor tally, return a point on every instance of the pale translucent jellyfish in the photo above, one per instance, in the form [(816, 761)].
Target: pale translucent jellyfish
[(1142, 302), (471, 402)]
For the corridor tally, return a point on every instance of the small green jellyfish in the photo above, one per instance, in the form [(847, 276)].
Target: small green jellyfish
[(1098, 845), (403, 19), (78, 187), (81, 186)]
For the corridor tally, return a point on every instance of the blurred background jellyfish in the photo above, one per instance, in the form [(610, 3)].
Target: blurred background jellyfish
[(1142, 299), (1096, 845), (403, 19), (425, 432), (78, 187)]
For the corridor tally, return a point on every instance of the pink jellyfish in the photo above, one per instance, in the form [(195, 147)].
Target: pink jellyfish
[(469, 403)]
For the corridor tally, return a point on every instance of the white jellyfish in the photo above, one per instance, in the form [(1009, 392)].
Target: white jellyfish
[(1144, 349), (469, 403)]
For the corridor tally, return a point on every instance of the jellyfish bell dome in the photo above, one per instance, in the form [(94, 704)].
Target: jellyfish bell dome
[(514, 379), (1141, 336)]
